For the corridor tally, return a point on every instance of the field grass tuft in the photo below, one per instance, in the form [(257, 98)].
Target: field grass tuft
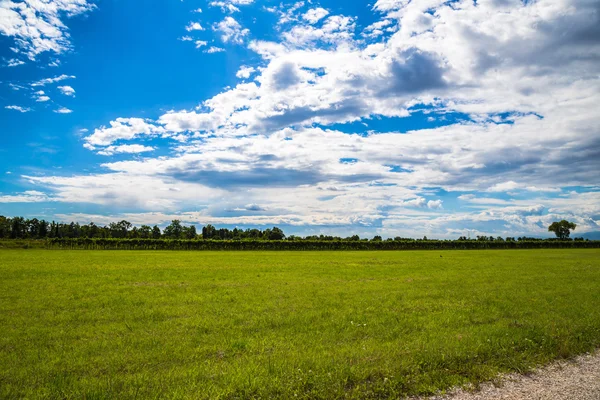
[(225, 325)]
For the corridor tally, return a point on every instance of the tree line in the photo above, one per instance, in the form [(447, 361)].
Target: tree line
[(124, 235), (34, 228)]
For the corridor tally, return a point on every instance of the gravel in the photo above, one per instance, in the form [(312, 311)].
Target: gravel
[(578, 379)]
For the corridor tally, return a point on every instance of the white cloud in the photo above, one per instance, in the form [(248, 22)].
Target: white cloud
[(245, 72), (40, 96), (125, 149), (14, 62), (225, 6), (434, 204), (186, 38), (231, 30), (63, 110), (147, 193), (194, 26), (47, 81), (214, 49), (29, 196), (122, 129), (38, 26), (314, 15), (67, 90), (18, 108), (200, 43)]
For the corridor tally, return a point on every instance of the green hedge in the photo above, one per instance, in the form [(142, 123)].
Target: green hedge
[(166, 244)]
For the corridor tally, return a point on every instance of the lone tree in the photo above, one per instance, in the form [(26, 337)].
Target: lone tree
[(562, 229)]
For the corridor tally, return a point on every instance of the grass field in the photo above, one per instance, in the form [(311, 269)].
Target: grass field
[(141, 324)]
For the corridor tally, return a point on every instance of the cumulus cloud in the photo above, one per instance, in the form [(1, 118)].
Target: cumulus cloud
[(63, 110), (245, 72), (434, 204), (214, 49), (67, 90), (125, 149), (194, 26), (14, 62), (39, 26), (47, 81), (314, 15), (18, 108), (29, 196), (122, 128), (40, 96), (231, 30), (225, 6)]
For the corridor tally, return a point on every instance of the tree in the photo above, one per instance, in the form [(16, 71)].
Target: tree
[(174, 230), (276, 234), (189, 232), (145, 232), (5, 225), (156, 232), (562, 229), (18, 228), (208, 232)]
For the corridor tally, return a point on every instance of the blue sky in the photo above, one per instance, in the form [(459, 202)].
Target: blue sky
[(395, 117)]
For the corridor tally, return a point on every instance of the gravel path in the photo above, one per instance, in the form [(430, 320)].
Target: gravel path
[(573, 380)]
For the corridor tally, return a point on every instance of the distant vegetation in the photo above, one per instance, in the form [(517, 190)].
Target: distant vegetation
[(562, 229), (124, 235)]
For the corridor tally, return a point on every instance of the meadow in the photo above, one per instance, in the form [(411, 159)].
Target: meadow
[(385, 324)]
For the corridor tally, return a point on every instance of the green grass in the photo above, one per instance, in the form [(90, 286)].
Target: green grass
[(142, 324)]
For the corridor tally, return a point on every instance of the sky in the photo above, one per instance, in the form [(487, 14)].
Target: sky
[(391, 117)]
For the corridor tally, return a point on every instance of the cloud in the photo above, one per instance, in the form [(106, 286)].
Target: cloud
[(67, 90), (231, 30), (413, 72), (29, 196), (194, 26), (314, 15), (63, 110), (434, 204), (18, 108), (40, 96), (47, 81), (251, 207), (14, 62), (122, 128), (244, 72), (214, 49), (38, 26), (125, 149), (200, 43), (127, 191), (504, 187), (225, 6), (336, 30)]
